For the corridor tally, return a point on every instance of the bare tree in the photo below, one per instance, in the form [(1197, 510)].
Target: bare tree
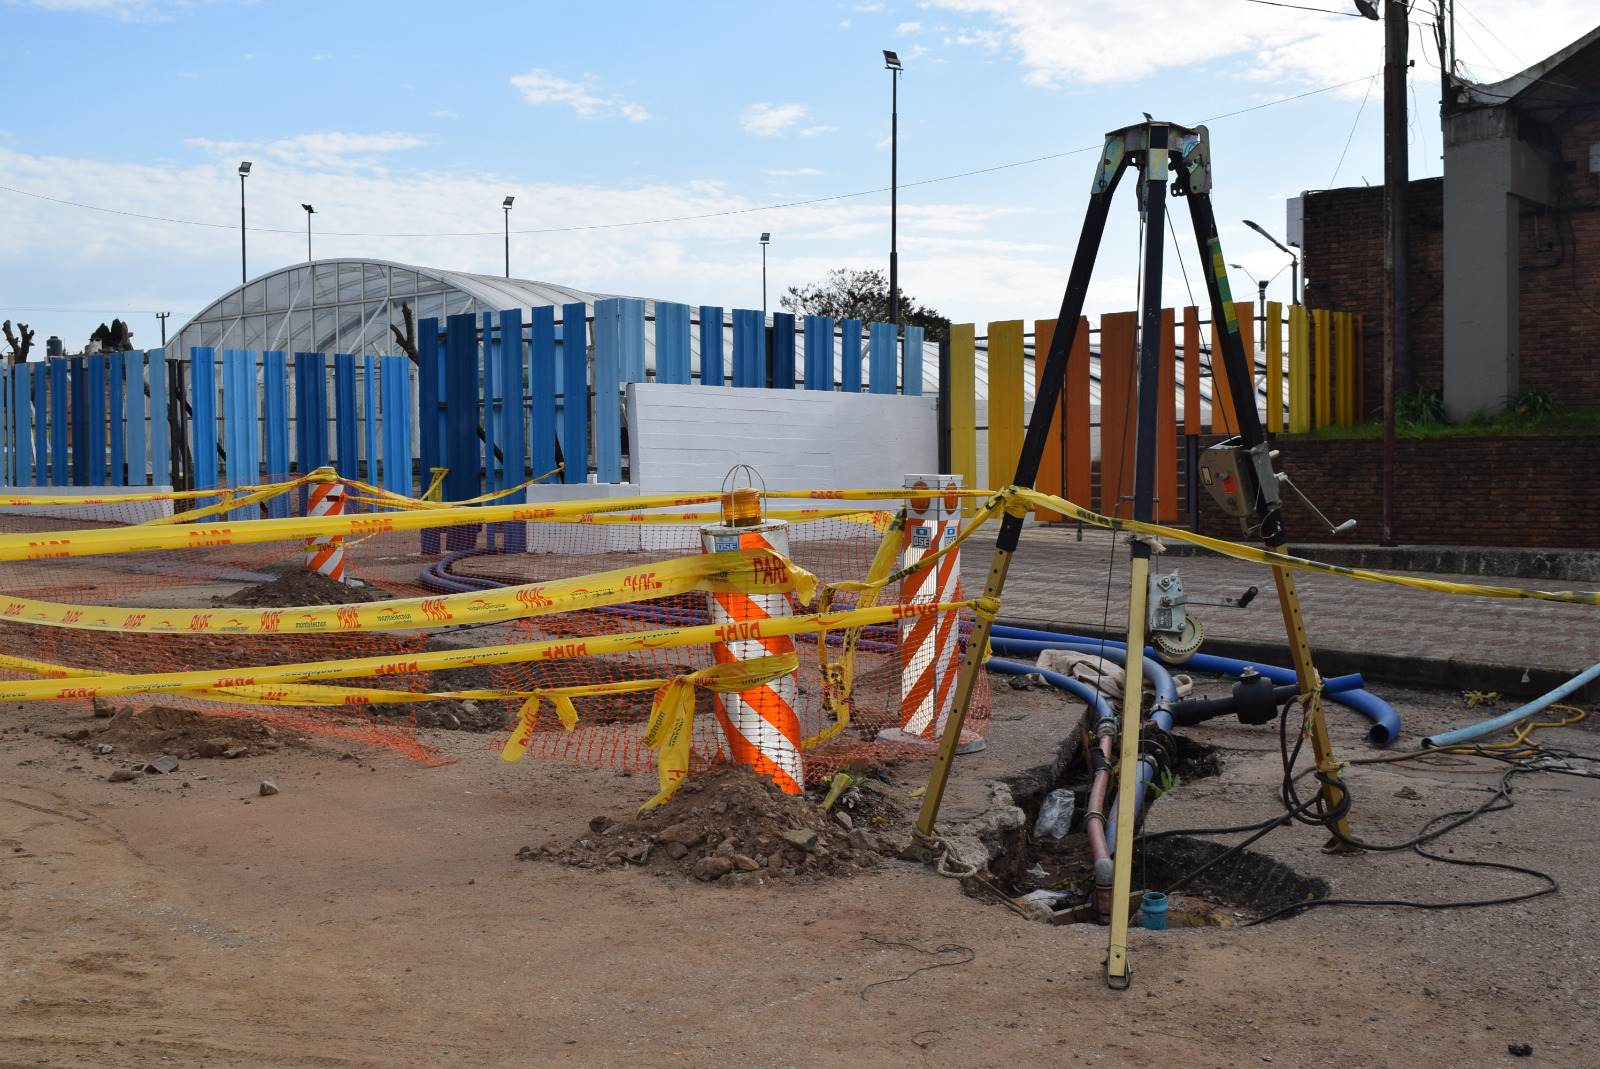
[(19, 346)]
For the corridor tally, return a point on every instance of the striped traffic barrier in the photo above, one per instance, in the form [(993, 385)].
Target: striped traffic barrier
[(325, 554), (759, 726), (930, 659)]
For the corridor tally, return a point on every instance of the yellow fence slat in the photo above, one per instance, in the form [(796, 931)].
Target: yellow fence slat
[(1299, 370), (963, 407), (1322, 337), (1006, 426), (1274, 333)]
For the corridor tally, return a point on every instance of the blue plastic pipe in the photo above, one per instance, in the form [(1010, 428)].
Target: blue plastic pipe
[(1385, 721), (1505, 720), (1079, 689)]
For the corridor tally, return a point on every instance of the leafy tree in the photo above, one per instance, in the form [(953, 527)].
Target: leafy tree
[(116, 338), (863, 295)]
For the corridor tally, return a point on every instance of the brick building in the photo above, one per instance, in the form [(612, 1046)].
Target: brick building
[(1505, 249)]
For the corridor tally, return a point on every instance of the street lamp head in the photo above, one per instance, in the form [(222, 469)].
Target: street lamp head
[(1258, 229), (507, 204), (309, 209), (766, 236), (244, 168), (891, 61), (1367, 9)]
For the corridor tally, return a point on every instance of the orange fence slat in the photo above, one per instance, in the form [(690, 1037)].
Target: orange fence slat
[(1191, 371), (1117, 412), (1079, 477), (1166, 503)]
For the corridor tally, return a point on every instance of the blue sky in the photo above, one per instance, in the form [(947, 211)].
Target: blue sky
[(411, 119)]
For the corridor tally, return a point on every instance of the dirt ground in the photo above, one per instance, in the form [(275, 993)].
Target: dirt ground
[(374, 913)]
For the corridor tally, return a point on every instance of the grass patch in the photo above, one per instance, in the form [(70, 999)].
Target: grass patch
[(1419, 414)]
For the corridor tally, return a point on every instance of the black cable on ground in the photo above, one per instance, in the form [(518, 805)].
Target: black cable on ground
[(1314, 811), (943, 948)]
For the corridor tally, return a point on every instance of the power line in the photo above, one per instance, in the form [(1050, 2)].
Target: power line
[(664, 219)]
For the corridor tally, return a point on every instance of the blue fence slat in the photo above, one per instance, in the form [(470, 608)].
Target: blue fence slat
[(461, 397), (429, 445), (490, 419), (819, 353), (749, 348), (160, 429), (115, 432), (60, 422), (347, 430), (9, 429), (911, 363), (883, 358), (713, 362), (672, 343), (607, 391), (203, 422), (78, 417), (782, 351), (41, 425), (369, 422), (574, 393), (630, 335), (513, 419), (275, 425), (397, 425), (541, 390), (95, 409), (850, 355), (133, 414), (241, 431), (18, 425), (310, 411)]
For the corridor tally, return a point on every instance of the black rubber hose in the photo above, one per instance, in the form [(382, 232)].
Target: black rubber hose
[(1191, 711)]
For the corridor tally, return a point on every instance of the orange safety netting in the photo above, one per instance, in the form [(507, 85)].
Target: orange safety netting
[(406, 564)]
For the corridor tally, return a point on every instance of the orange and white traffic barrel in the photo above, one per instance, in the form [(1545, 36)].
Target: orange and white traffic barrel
[(930, 654), (325, 554), (759, 726)]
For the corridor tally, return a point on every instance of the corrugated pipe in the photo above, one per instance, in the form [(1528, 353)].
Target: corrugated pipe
[(1385, 721), (1505, 720)]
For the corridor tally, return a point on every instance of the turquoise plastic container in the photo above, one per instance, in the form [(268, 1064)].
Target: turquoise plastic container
[(1154, 911)]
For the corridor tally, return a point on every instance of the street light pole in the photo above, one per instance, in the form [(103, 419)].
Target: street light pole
[(310, 211), (507, 207), (891, 63), (766, 236), (244, 274)]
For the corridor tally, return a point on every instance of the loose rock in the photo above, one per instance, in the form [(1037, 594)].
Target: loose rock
[(268, 788), (804, 838), (862, 841), (682, 833), (104, 707), (214, 747), (676, 850), (712, 868), (122, 775), (235, 751)]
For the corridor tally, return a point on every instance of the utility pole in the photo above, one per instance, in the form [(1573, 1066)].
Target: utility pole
[(891, 62), (163, 317), (507, 207), (1396, 252)]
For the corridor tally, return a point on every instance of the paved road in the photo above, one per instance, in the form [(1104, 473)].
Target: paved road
[(1056, 577)]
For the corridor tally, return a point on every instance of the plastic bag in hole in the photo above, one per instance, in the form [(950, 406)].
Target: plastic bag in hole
[(1055, 814)]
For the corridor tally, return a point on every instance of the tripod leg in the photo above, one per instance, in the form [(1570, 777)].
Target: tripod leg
[(1241, 382), (1046, 396), (1144, 478)]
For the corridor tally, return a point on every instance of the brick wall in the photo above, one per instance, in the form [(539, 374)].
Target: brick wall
[(1492, 491), (1559, 280)]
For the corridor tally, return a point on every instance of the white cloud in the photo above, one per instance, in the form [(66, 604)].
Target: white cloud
[(770, 120), (798, 170), (443, 114), (1061, 44), (540, 86), (909, 27), (323, 150), (125, 10), (817, 131)]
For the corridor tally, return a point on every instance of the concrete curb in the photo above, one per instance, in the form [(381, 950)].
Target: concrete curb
[(1448, 673)]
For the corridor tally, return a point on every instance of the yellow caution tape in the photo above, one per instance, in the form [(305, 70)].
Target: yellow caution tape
[(671, 726), (747, 570), (231, 680), (1284, 560)]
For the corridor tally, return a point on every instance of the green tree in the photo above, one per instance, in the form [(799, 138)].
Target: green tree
[(863, 295)]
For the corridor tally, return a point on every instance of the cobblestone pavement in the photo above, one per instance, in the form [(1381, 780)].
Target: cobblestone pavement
[(1055, 577)]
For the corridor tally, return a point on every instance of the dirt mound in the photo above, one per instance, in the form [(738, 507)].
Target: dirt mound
[(732, 826), (296, 587), (187, 734)]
